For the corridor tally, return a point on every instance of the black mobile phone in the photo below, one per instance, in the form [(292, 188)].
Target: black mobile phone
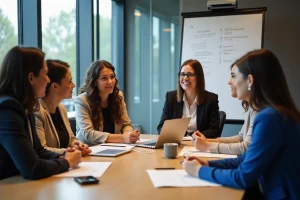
[(84, 180)]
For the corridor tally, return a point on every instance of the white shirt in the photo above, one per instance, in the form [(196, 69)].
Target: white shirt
[(190, 111)]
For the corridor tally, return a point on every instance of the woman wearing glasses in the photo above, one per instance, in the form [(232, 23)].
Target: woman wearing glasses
[(192, 100), (101, 113), (271, 160)]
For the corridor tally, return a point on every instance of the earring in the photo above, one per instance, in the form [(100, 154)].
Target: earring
[(249, 88)]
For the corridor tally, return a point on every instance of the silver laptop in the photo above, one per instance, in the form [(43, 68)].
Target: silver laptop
[(172, 131)]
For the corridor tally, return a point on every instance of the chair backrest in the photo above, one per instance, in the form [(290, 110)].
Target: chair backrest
[(222, 120), (73, 124)]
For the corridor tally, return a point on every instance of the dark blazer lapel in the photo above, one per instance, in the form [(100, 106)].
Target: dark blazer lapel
[(200, 113), (178, 110), (32, 126)]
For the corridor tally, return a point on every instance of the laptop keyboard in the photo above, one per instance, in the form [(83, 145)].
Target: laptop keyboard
[(150, 144)]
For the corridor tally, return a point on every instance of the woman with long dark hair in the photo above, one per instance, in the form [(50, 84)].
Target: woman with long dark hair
[(101, 113), (270, 160), (52, 123), (23, 79), (237, 144), (192, 100)]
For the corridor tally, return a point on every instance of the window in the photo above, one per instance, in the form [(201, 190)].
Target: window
[(155, 59), (102, 30), (152, 58), (8, 26), (59, 35)]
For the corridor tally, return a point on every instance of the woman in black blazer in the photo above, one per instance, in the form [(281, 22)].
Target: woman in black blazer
[(23, 79), (192, 100)]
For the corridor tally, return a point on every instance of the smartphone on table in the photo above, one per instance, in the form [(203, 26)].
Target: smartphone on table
[(85, 180)]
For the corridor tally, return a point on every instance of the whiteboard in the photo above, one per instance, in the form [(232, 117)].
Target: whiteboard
[(217, 41)]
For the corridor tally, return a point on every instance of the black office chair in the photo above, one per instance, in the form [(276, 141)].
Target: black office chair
[(73, 124), (222, 120)]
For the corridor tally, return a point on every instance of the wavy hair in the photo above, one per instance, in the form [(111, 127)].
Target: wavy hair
[(16, 66), (94, 99), (270, 87)]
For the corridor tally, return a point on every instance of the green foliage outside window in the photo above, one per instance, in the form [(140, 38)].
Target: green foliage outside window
[(8, 37)]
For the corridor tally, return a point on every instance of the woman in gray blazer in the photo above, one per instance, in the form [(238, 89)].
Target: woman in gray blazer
[(101, 113), (52, 123), (237, 144)]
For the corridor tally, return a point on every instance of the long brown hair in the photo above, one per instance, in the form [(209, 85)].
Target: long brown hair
[(94, 99), (200, 82), (16, 66), (270, 86)]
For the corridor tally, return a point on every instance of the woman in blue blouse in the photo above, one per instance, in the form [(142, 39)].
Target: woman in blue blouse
[(270, 159)]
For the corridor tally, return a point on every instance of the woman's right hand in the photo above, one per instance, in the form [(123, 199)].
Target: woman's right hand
[(73, 158), (201, 161), (200, 142), (193, 164), (131, 136)]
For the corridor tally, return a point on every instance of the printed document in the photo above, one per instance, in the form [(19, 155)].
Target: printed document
[(176, 178)]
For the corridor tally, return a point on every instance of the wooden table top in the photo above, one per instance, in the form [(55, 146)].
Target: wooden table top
[(126, 178)]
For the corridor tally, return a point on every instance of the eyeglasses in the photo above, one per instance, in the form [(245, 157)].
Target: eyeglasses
[(188, 75)]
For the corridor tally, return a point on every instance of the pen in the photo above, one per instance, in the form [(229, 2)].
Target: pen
[(164, 168), (109, 145)]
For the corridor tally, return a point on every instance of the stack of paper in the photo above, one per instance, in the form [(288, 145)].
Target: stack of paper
[(176, 178)]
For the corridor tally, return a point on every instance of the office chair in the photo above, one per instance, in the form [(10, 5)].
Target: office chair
[(222, 120), (73, 124)]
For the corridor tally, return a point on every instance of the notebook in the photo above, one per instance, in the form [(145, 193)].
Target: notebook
[(172, 131), (110, 152)]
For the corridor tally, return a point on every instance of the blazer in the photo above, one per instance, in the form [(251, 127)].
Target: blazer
[(19, 154), (208, 118), (271, 158), (84, 127), (46, 130)]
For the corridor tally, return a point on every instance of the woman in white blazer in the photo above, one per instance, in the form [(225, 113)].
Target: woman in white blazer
[(101, 113), (52, 123)]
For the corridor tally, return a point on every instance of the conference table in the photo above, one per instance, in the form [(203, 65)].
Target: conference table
[(126, 178)]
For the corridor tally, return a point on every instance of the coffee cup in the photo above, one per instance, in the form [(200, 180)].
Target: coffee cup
[(170, 150)]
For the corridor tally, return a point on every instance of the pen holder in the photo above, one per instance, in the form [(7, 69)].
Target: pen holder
[(170, 150)]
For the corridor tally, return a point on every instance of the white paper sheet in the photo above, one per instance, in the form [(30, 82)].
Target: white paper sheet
[(176, 178), (86, 169), (192, 151)]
